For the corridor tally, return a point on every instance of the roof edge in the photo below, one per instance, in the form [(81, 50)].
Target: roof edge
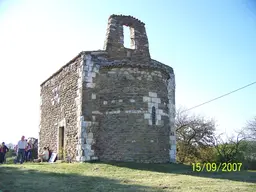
[(167, 67), (126, 16), (71, 61)]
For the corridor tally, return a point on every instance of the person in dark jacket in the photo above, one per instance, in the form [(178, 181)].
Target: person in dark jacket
[(1, 154), (5, 150)]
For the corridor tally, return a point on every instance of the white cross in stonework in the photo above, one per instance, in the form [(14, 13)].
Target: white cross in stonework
[(56, 97), (152, 101)]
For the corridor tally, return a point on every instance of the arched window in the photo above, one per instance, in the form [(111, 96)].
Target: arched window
[(153, 115)]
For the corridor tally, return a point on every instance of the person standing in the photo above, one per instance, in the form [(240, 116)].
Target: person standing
[(5, 150), (22, 145), (1, 154), (28, 151)]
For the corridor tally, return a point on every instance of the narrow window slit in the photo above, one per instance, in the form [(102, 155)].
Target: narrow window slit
[(153, 115)]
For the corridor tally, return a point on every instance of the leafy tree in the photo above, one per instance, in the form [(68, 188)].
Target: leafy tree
[(247, 155)]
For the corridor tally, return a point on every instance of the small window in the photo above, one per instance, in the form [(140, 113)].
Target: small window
[(153, 115)]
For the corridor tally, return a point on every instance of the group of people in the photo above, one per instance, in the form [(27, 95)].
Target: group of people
[(24, 151), (3, 150)]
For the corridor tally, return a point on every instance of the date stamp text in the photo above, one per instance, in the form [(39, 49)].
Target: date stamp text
[(216, 167)]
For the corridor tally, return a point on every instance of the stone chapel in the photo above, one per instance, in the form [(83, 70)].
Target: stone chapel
[(114, 104)]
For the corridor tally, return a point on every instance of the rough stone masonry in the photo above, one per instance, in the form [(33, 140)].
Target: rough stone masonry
[(116, 104)]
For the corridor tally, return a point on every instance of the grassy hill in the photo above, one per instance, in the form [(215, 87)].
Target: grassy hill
[(117, 177)]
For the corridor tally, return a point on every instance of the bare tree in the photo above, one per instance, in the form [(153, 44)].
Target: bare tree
[(251, 129), (193, 129), (192, 132)]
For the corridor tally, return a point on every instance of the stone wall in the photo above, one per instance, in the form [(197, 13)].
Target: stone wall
[(117, 111), (59, 107), (172, 112), (89, 121)]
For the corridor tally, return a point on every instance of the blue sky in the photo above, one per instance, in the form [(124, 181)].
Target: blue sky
[(210, 44)]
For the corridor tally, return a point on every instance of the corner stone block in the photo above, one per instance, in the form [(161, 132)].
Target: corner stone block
[(83, 124), (172, 152), (173, 129), (88, 79), (161, 122), (90, 85), (89, 141), (94, 158), (90, 153), (93, 96), (173, 142), (90, 135), (88, 147), (83, 158), (146, 116), (81, 118), (151, 94), (93, 74), (154, 100), (96, 70), (150, 105), (89, 123), (84, 134), (146, 99)]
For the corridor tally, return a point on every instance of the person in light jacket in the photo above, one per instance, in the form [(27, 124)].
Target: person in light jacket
[(22, 145)]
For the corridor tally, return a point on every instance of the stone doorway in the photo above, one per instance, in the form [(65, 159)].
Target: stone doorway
[(61, 143)]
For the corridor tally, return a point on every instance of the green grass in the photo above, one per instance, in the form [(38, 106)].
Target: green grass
[(117, 177)]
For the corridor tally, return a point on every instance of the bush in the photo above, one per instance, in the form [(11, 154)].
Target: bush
[(10, 160), (11, 153)]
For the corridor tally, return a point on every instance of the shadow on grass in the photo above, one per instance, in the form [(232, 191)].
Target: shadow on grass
[(14, 179), (243, 175)]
